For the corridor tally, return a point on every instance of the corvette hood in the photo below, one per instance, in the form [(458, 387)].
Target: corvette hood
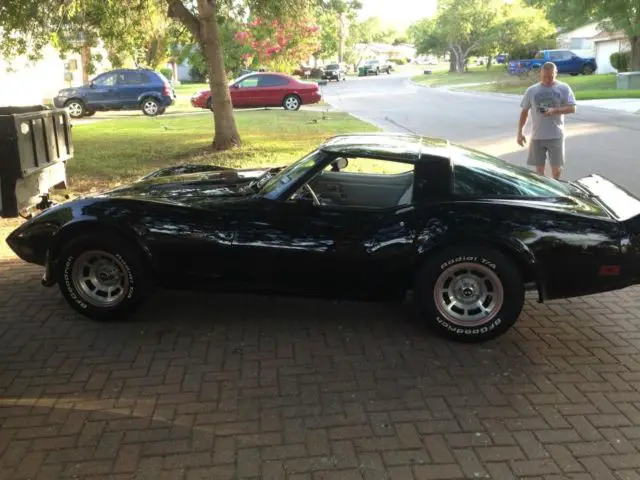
[(190, 185)]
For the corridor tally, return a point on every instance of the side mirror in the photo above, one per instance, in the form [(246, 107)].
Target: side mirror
[(339, 163), (91, 84)]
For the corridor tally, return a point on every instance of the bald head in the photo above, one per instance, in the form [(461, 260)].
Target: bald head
[(548, 73)]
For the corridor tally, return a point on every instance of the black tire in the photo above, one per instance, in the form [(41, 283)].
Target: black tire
[(292, 102), (76, 108), (209, 107), (128, 261), (508, 292), (587, 69), (150, 106)]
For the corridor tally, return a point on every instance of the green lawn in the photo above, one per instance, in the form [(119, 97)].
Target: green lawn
[(441, 76), (497, 80), (111, 152), (590, 87)]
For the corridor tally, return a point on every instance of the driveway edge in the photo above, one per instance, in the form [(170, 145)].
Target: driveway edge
[(514, 95)]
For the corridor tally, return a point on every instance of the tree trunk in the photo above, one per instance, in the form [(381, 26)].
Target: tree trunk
[(634, 63), (226, 134), (204, 27), (452, 61)]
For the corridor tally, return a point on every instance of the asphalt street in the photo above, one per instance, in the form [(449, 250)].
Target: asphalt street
[(598, 140)]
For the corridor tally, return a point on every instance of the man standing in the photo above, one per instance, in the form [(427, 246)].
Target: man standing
[(549, 100)]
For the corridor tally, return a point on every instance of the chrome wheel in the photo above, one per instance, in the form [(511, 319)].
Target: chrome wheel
[(75, 109), (291, 103), (100, 278), (468, 294), (150, 107)]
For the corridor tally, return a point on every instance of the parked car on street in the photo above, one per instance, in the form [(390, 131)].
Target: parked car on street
[(121, 89), (375, 67), (334, 71), (364, 216), (566, 61), (266, 89)]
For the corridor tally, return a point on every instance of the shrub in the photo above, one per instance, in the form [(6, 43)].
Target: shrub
[(167, 72), (397, 61), (620, 61)]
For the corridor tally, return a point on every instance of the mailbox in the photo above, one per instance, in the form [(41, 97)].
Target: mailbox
[(35, 143)]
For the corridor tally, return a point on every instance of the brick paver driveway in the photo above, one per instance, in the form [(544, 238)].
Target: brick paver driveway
[(221, 387)]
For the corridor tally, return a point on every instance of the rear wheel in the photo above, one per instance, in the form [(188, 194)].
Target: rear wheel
[(291, 102), (150, 107), (587, 69), (469, 294), (102, 277)]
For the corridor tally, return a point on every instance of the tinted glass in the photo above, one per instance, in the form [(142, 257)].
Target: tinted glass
[(271, 81), (478, 174), (333, 66), (135, 78)]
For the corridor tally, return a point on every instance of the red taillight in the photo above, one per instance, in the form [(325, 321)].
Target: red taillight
[(167, 90), (609, 270)]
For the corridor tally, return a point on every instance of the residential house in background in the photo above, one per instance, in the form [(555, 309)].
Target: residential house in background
[(579, 39), (25, 82), (606, 44), (591, 40)]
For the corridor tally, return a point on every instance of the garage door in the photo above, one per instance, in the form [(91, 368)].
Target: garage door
[(603, 52)]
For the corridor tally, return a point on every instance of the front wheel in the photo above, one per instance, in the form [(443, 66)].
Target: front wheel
[(470, 294), (102, 277), (76, 108)]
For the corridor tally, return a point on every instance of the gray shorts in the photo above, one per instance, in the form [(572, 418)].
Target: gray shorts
[(538, 150)]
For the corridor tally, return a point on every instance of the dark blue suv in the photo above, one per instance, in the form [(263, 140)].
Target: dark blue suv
[(121, 89)]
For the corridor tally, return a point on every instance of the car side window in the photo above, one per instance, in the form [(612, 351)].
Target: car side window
[(134, 78), (271, 81), (364, 183), (479, 175), (249, 82), (106, 80)]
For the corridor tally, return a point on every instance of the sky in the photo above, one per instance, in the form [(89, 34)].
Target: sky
[(398, 13)]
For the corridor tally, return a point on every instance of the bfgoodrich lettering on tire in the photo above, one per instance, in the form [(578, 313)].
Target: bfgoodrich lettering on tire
[(469, 294), (102, 277)]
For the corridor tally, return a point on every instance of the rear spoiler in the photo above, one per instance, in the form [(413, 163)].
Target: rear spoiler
[(619, 203)]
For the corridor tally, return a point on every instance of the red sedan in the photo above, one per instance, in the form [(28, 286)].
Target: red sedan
[(257, 90)]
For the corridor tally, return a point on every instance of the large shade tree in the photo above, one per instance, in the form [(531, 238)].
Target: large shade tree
[(465, 27), (612, 15), (29, 26)]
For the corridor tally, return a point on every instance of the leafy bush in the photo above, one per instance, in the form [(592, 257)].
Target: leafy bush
[(398, 61), (167, 72), (620, 61)]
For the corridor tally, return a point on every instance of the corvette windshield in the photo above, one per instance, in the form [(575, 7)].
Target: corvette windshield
[(285, 178)]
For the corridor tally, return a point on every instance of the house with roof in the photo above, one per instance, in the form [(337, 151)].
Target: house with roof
[(605, 44)]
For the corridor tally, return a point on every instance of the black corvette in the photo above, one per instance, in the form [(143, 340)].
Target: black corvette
[(366, 216)]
